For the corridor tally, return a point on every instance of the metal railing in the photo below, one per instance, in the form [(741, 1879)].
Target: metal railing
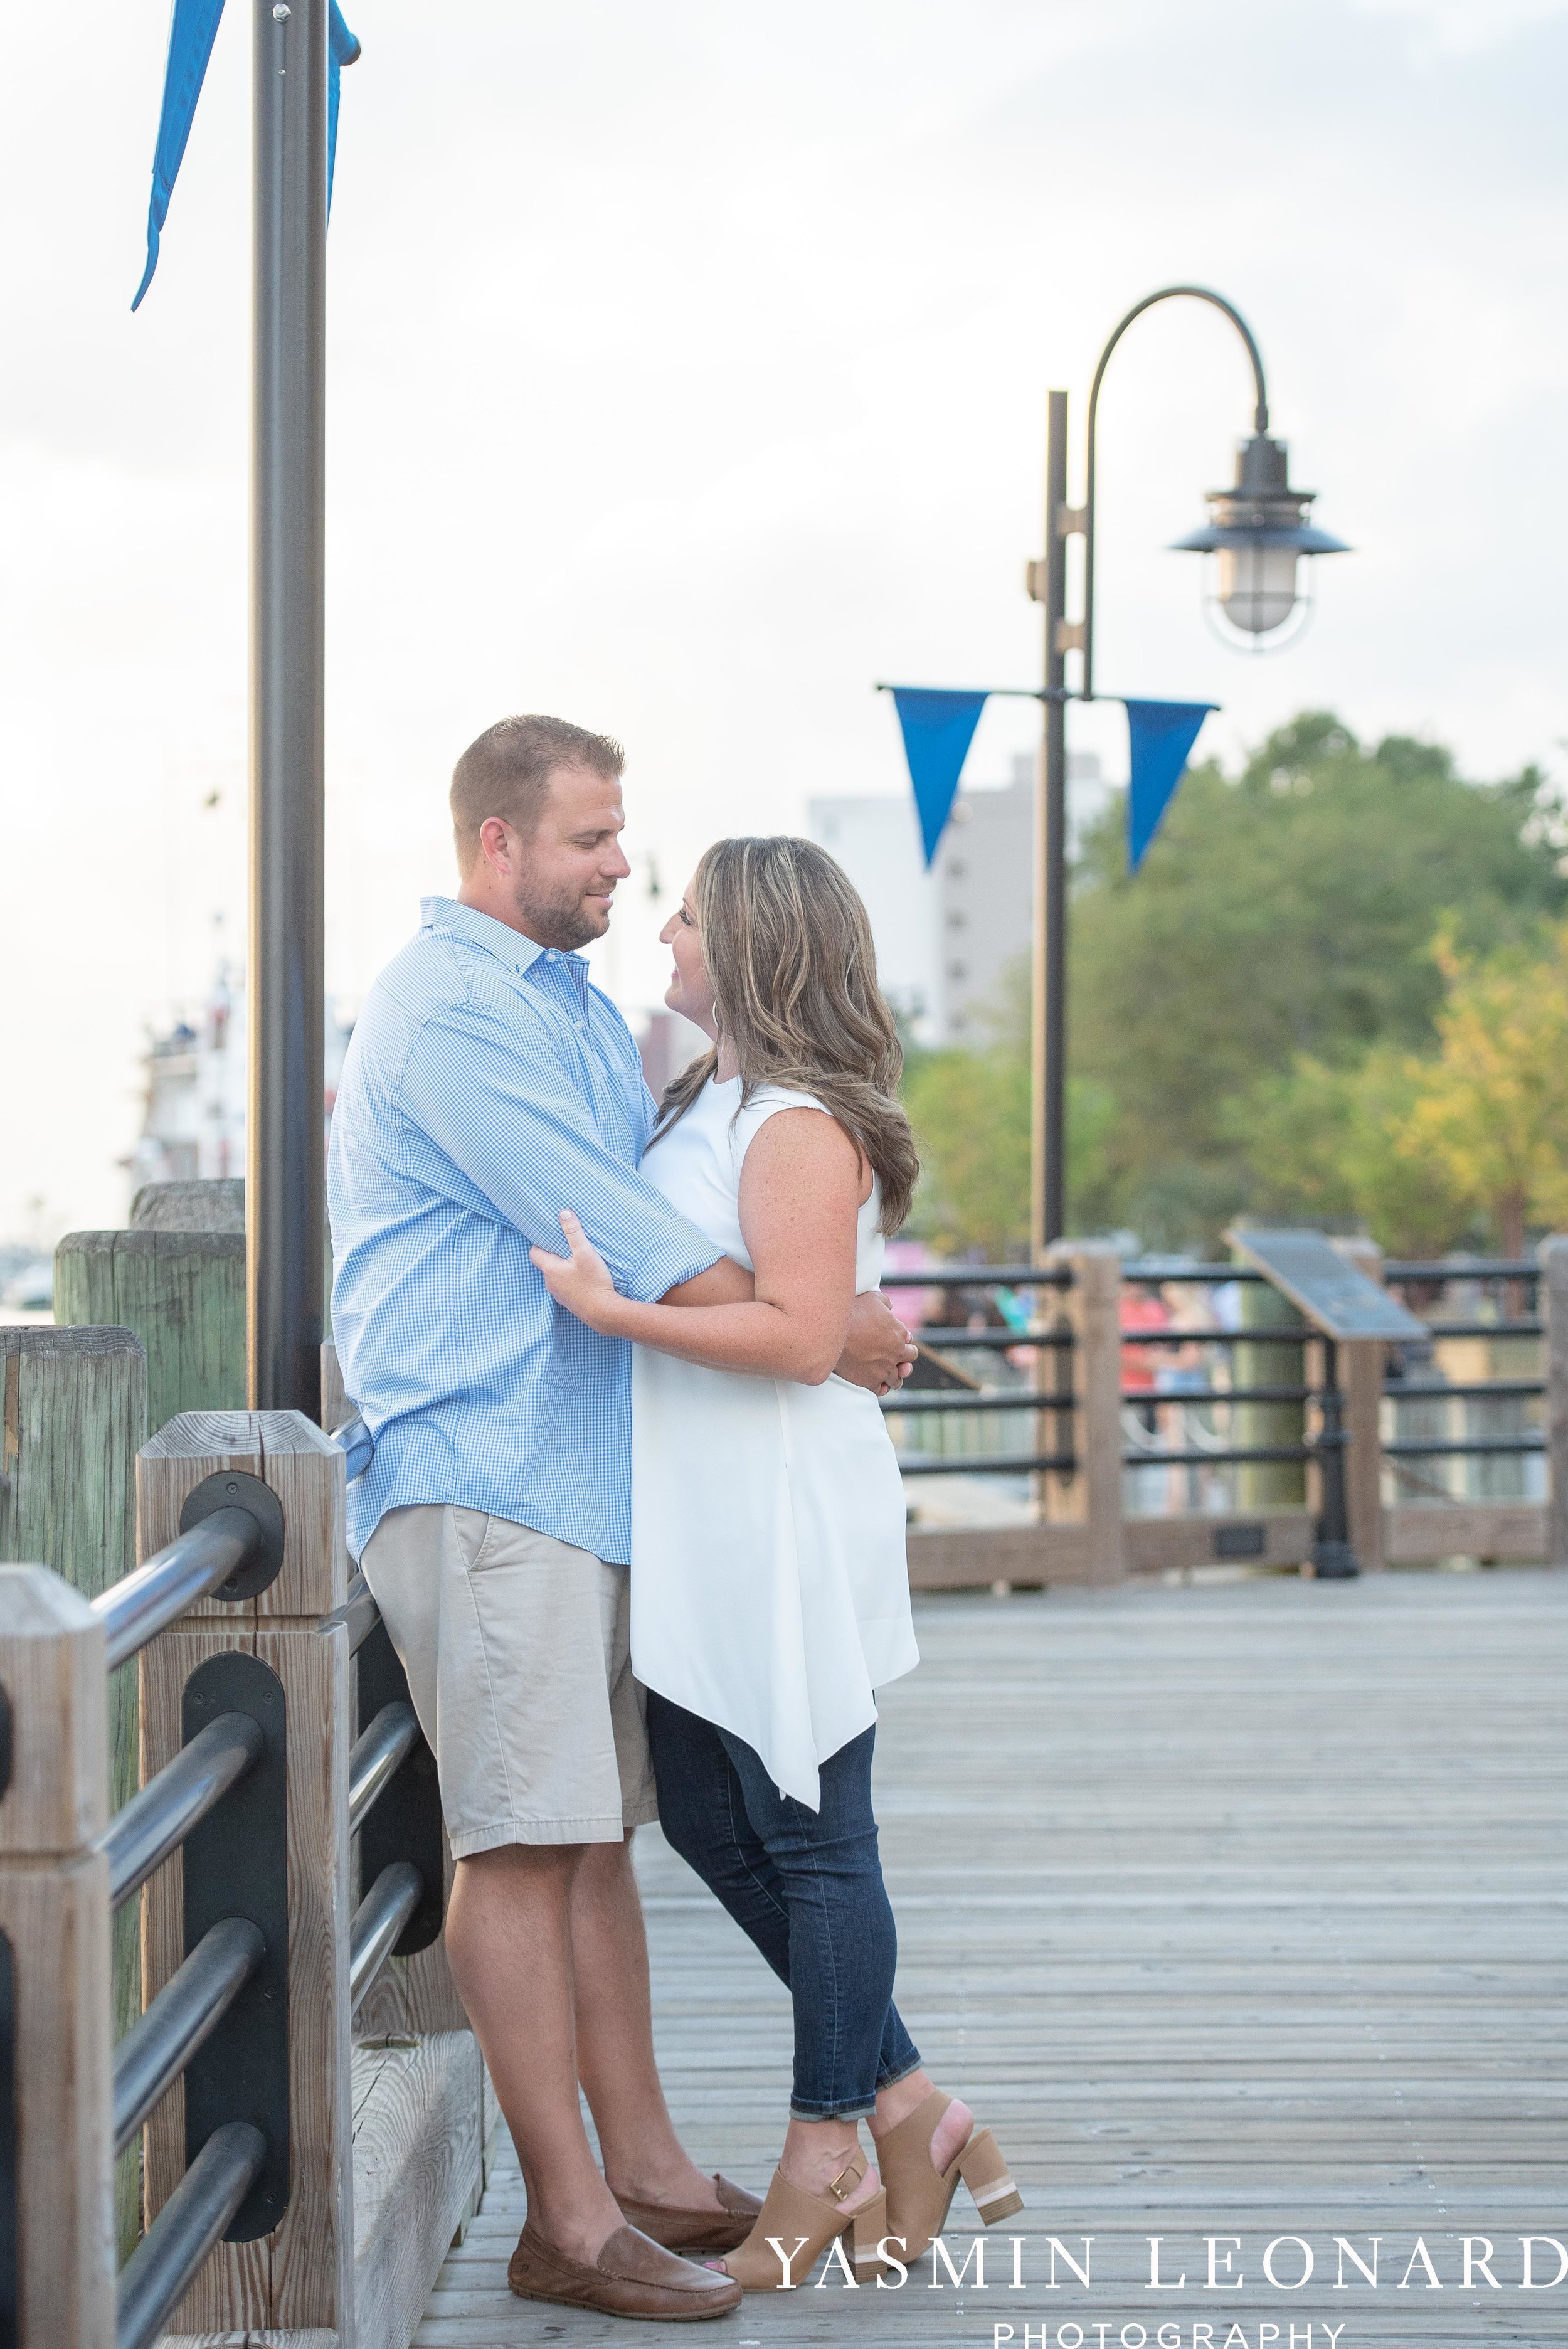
[(1469, 1424), (231, 1547), (1204, 1425), (942, 1430)]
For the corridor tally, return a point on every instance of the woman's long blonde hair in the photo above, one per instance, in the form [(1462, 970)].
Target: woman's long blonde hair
[(793, 970)]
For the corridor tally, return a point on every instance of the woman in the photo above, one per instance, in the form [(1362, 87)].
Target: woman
[(769, 1590)]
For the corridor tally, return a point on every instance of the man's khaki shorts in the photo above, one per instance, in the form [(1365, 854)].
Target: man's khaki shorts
[(518, 1653)]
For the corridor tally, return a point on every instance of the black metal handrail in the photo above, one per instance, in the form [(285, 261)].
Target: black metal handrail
[(1161, 1395), (993, 1341), (1230, 1456), (192, 2001), (134, 1609), (918, 1400), (981, 1276), (1474, 1267), (1477, 1390), (195, 2217), (986, 1464), (155, 1822), (1153, 1272), (1415, 1447), (1533, 1328), (1285, 1335)]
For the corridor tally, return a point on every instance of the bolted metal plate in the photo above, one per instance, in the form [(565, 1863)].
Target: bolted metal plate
[(236, 1865), (234, 1488), (405, 1823)]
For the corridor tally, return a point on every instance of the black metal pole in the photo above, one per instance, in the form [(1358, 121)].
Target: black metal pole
[(1050, 1038), (1333, 1559), (287, 978)]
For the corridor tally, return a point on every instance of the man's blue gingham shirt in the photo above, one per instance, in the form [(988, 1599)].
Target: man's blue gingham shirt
[(488, 1085)]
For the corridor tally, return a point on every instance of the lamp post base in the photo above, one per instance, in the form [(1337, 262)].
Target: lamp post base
[(1333, 1561)]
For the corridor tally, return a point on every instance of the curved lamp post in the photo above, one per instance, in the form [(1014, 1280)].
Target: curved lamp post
[(1259, 531)]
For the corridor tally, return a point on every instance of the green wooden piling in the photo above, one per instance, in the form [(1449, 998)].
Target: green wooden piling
[(1270, 1483), (74, 1417), (184, 1293)]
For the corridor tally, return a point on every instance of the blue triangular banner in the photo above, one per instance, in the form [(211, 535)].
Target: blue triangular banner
[(1161, 735), (191, 37), (342, 49), (938, 728)]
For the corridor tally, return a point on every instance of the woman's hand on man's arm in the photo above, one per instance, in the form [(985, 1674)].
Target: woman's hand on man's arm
[(877, 1349)]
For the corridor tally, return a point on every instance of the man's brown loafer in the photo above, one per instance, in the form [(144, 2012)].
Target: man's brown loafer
[(697, 2230), (632, 2276)]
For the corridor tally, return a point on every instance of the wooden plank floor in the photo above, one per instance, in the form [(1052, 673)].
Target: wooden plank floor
[(1237, 1911)]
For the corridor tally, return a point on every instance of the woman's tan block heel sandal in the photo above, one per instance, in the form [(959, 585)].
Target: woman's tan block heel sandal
[(919, 2196), (805, 2224)]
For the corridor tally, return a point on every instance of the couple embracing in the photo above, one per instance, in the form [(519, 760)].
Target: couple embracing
[(659, 1579)]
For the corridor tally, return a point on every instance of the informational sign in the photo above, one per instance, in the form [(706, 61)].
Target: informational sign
[(1333, 1294)]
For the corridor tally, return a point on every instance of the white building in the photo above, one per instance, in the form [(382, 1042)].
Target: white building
[(194, 1125), (947, 939)]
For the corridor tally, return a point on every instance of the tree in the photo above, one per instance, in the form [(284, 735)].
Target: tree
[(1279, 918), (970, 1112), (1489, 1110), (1326, 1143)]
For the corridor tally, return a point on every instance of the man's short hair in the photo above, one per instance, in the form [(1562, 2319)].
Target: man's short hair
[(505, 773)]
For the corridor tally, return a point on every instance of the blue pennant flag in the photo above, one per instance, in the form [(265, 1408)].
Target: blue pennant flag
[(938, 728), (1161, 734), (342, 49), (191, 37)]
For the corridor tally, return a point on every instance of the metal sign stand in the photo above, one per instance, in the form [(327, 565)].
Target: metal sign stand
[(1342, 1305)]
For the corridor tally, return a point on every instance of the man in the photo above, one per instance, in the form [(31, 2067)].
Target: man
[(488, 1085)]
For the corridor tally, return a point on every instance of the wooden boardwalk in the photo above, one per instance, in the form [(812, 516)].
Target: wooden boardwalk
[(1238, 1911)]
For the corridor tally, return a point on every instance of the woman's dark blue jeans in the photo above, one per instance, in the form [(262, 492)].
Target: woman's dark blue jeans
[(807, 1886)]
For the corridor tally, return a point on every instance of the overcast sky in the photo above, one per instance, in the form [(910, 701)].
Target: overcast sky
[(687, 375)]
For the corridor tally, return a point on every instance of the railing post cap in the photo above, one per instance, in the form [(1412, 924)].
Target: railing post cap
[(53, 1675)]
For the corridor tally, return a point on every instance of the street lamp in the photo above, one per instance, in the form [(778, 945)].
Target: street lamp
[(1259, 532)]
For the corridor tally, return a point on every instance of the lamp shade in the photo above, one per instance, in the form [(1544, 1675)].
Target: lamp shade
[(1257, 586), (1259, 530)]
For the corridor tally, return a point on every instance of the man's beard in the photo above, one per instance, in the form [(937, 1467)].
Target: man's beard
[(563, 922)]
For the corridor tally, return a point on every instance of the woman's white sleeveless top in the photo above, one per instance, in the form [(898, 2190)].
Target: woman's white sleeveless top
[(770, 1587)]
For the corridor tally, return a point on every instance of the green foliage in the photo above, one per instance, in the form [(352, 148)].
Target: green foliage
[(1276, 937), (970, 1112), (1325, 1145)]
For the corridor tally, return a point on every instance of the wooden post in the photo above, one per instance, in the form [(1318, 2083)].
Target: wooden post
[(75, 1409), (55, 1944), (183, 1293), (214, 1205), (301, 2276), (1554, 1313), (1268, 1483), (1362, 1362), (1093, 1306), (335, 1406)]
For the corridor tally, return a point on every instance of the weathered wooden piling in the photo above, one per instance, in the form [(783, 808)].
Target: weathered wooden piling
[(74, 1415)]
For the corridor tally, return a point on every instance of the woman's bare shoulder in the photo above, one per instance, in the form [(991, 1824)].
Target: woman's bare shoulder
[(804, 1145)]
